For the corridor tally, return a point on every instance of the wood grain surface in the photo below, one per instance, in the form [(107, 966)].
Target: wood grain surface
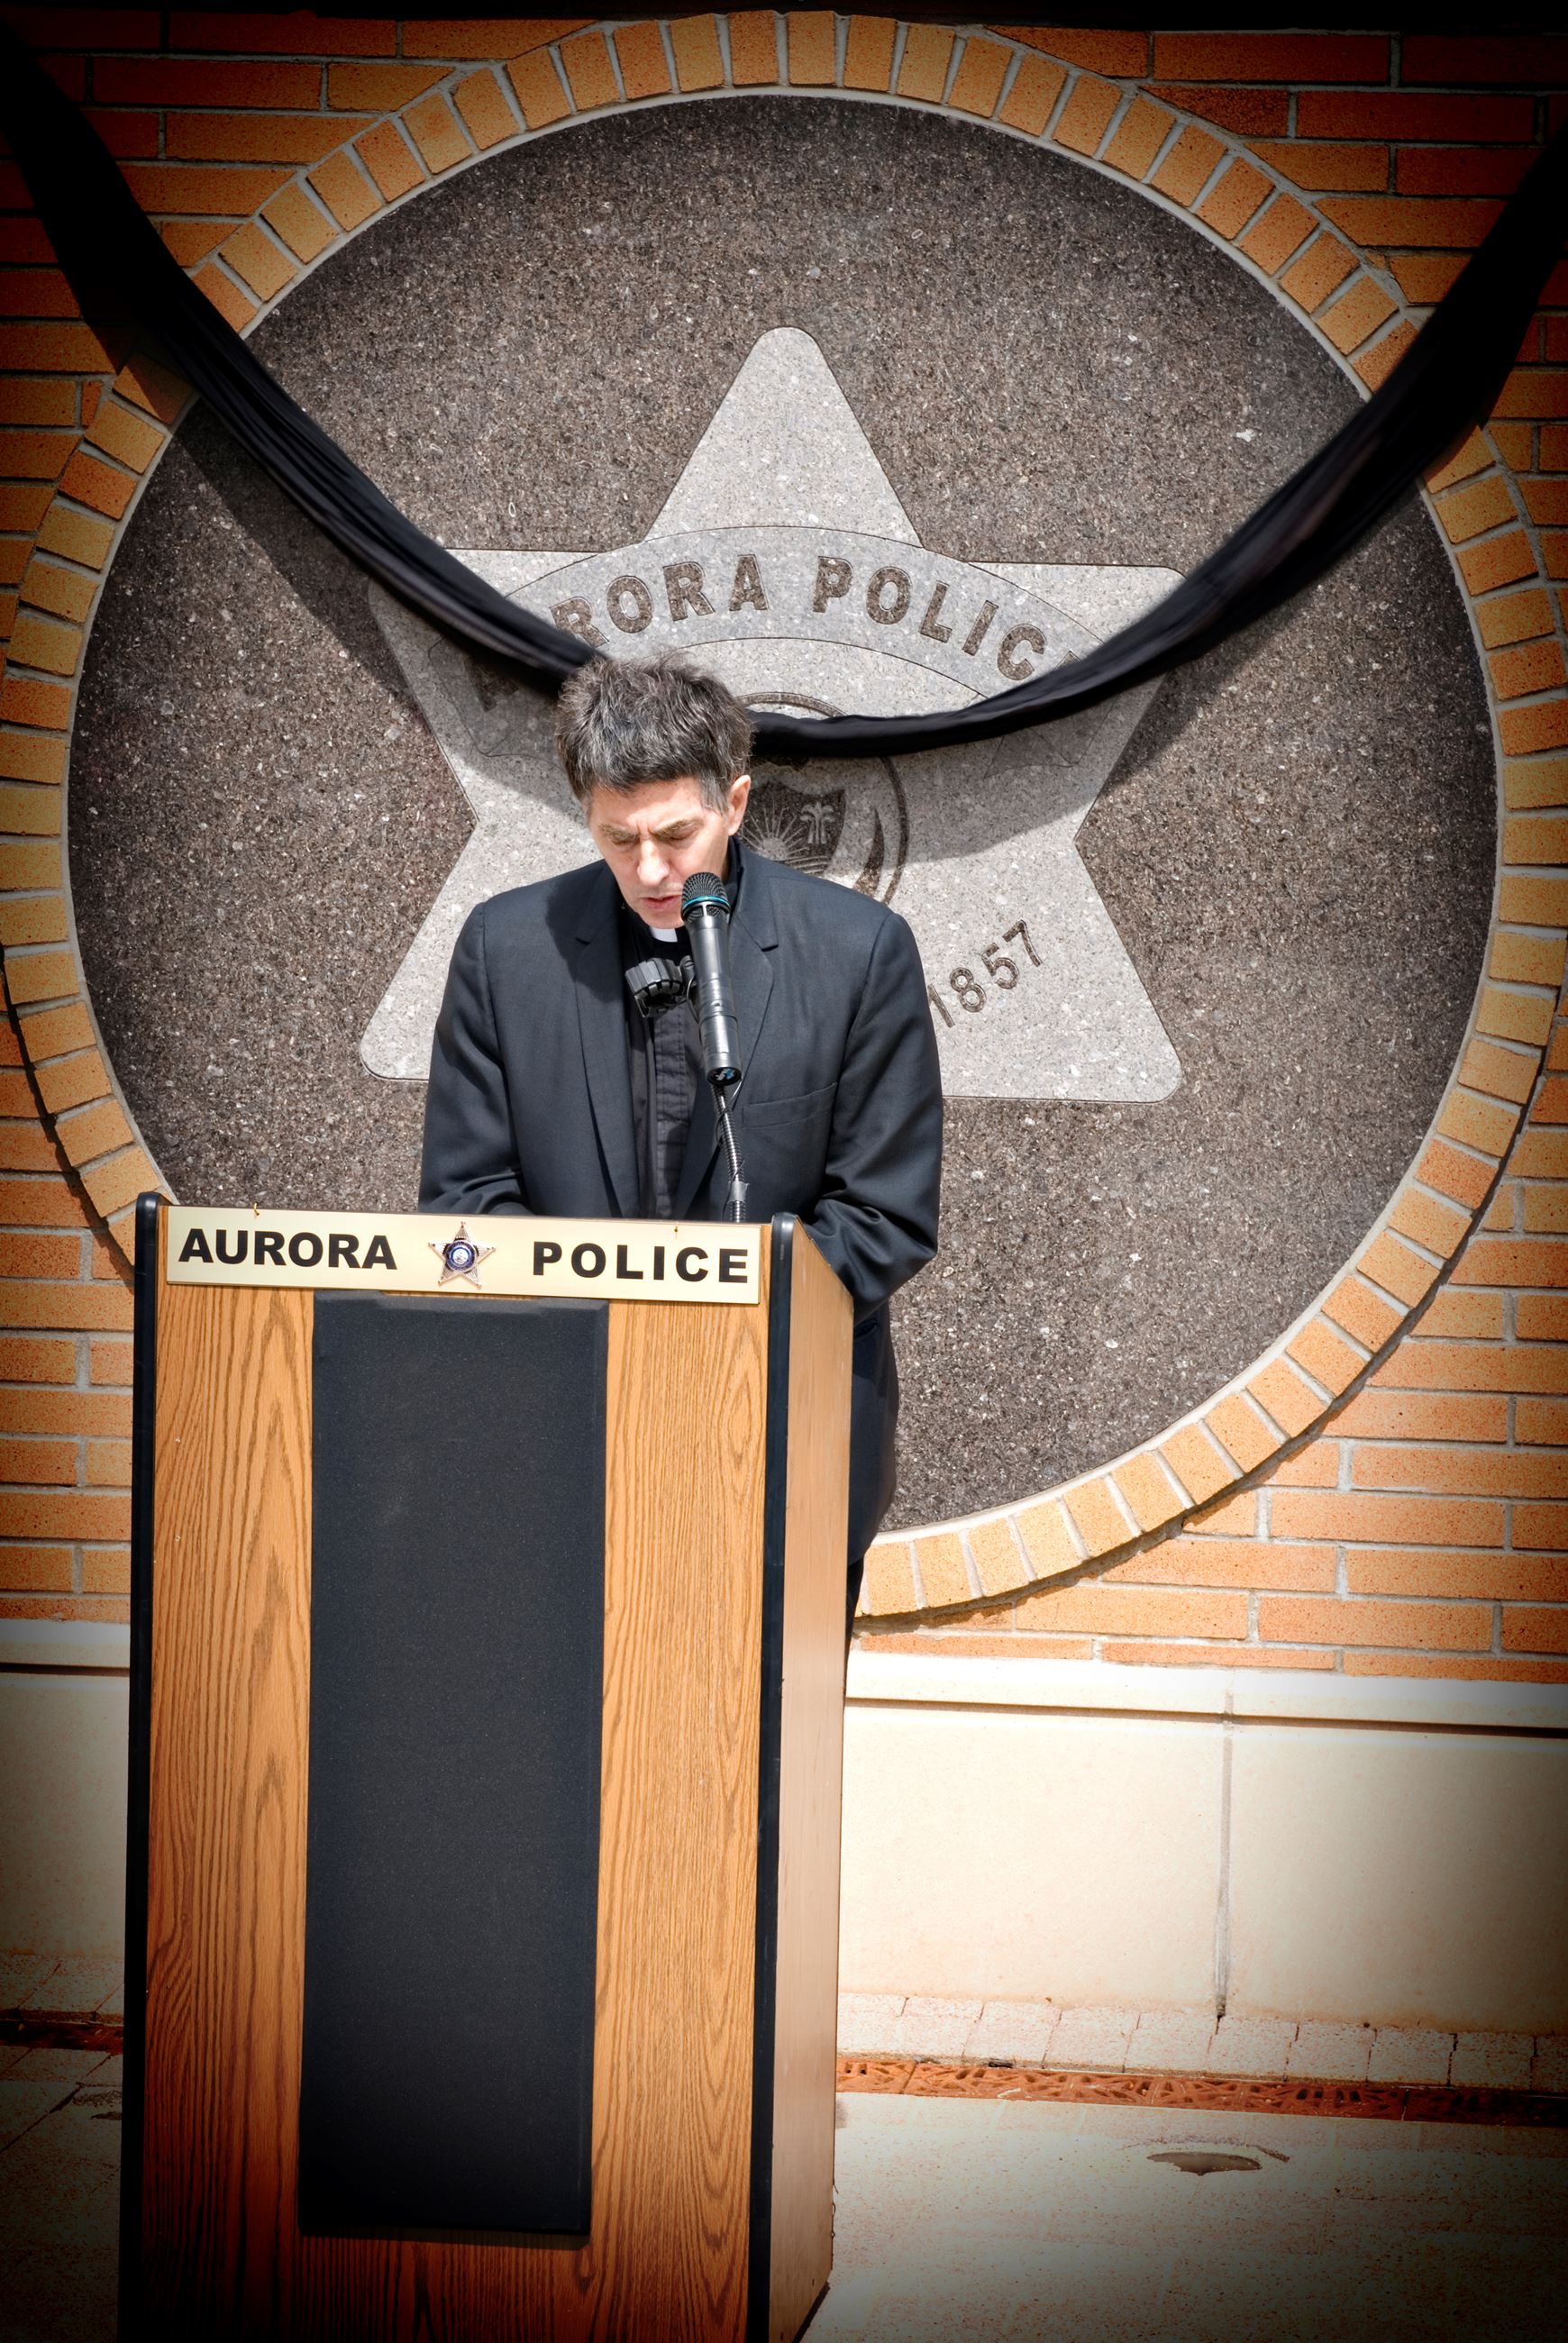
[(810, 1785), (667, 2258)]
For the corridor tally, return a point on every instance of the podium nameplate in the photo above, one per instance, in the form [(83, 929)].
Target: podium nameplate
[(436, 1253)]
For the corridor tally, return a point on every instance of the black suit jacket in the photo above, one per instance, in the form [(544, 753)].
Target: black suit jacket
[(838, 1117)]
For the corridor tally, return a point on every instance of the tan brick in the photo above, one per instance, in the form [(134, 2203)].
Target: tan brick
[(439, 135), (1240, 1431), (1320, 1352), (1474, 1578), (923, 67), (106, 1570), (590, 76), (32, 919), (66, 1082), (889, 1583), (1546, 1210), (978, 83), (1146, 1491), (1208, 1655), (40, 1202), (1047, 1539), (77, 537), (1458, 1176), (1523, 1260), (40, 976), (1095, 1609), (1497, 561), (42, 642), (1522, 668), (1512, 617), (1036, 87), (120, 1181), (1397, 1270), (1316, 1466), (539, 89), (487, 112), (1514, 1016), (940, 1563), (1140, 135), (1197, 1463), (1518, 959), (64, 593), (1454, 1667), (1283, 228), (869, 53), (811, 47), (125, 435), (1427, 1220), (1189, 166), (753, 48), (699, 61), (391, 160), (1228, 1562), (1283, 1394), (1540, 1155), (379, 88), (345, 191), (94, 1132), (1549, 1105), (644, 68), (1461, 1472), (258, 260), (1478, 1122), (1228, 207), (1322, 269), (109, 1362), (51, 1032), (1387, 1520), (998, 1557), (109, 1464), (1411, 1415), (74, 1415), (1440, 1626), (1540, 781), (32, 757), (1098, 1519), (1479, 1366), (1531, 1630), (1086, 116), (1235, 1516)]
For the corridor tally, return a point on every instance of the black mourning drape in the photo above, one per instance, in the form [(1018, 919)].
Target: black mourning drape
[(1444, 385)]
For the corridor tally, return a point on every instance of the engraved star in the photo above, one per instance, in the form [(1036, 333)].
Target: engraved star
[(460, 1256), (783, 559)]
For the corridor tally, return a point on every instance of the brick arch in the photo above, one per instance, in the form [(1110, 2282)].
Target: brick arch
[(1237, 193)]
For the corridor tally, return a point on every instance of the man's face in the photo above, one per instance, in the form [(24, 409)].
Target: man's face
[(655, 837)]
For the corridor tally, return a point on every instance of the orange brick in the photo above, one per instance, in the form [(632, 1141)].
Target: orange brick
[(168, 81), (1428, 1220), (1094, 1609), (345, 191), (258, 259), (40, 976), (27, 757), (923, 67), (66, 1082), (1410, 1415), (694, 44), (1323, 266), (1532, 1630), (1316, 1466), (108, 1463), (1377, 363), (1461, 1472), (1047, 1539), (190, 190), (753, 48), (107, 1571), (69, 1414), (1240, 1431), (1231, 205), (1085, 118), (1283, 228), (1442, 1626), (1146, 1491), (1255, 113), (1457, 1175), (1474, 1578), (998, 1557), (1514, 1261), (439, 135), (1504, 1073), (1097, 1517), (1551, 1102), (1036, 87), (1364, 114), (253, 138), (34, 1359), (391, 160), (1189, 166), (1283, 1394), (590, 77), (940, 1563), (1546, 1210), (93, 1133), (377, 88), (639, 53), (1208, 1655), (226, 296), (889, 1583), (1526, 959), (1234, 1516), (291, 33), (39, 1569), (869, 53), (55, 1307), (1386, 1520), (1100, 51), (1324, 165), (1512, 1016), (981, 71), (1429, 223), (1475, 454), (51, 1032), (120, 1181), (109, 1362), (1541, 1155), (1534, 391), (37, 1463), (73, 1514), (811, 47), (191, 240), (24, 699), (1140, 135), (486, 115), (1357, 314), (1499, 561), (1475, 1366), (1271, 56), (1543, 725), (1540, 1528), (1228, 1562), (1541, 1422), (1200, 1467)]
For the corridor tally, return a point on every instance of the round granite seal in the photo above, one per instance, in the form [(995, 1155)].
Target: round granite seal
[(867, 409)]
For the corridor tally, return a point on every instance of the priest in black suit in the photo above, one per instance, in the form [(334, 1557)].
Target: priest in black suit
[(550, 1092)]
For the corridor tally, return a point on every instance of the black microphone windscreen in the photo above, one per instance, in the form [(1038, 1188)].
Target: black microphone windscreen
[(704, 887)]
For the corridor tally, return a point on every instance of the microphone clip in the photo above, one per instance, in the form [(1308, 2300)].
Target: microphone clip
[(660, 984)]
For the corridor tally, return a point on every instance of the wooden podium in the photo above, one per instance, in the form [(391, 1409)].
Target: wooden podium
[(487, 1709)]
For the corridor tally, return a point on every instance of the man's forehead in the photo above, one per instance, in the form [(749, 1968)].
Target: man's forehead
[(649, 806)]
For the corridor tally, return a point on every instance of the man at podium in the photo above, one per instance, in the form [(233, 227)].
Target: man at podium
[(558, 1085)]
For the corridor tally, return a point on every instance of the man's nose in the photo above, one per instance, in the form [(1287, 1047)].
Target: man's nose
[(650, 862)]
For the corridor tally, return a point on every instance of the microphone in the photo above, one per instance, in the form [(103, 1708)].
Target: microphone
[(705, 911)]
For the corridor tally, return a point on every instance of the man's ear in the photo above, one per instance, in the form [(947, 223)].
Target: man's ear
[(739, 792)]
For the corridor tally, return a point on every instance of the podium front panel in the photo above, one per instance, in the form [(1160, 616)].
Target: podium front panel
[(312, 2031)]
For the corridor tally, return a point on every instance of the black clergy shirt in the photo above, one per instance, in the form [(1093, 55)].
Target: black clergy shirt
[(664, 1058)]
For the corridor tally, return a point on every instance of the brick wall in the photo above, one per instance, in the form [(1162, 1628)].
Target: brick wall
[(1387, 1491)]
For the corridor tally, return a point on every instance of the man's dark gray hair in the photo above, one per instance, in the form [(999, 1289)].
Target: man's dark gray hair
[(622, 722)]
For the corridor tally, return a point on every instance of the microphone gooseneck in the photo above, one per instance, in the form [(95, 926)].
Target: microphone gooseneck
[(705, 912)]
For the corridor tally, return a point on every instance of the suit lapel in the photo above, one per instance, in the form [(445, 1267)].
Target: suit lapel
[(601, 1019), (752, 943)]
